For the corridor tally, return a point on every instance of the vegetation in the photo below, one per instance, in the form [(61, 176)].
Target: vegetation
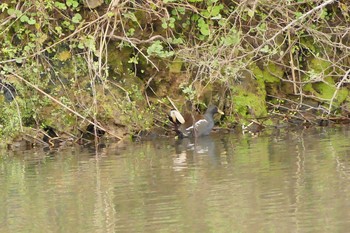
[(114, 63)]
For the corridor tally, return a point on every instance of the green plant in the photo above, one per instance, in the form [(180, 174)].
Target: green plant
[(157, 49)]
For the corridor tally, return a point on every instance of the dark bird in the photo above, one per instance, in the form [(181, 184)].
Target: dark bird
[(200, 128)]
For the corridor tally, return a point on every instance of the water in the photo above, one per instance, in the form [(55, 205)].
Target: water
[(282, 182)]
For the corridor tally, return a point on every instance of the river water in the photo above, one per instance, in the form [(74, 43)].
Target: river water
[(284, 181)]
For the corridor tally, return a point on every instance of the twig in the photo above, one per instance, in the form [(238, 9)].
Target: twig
[(136, 40), (336, 90), (292, 66), (172, 103)]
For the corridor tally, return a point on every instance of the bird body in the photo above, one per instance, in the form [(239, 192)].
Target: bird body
[(199, 128)]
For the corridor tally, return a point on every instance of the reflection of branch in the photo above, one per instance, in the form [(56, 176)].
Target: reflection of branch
[(345, 77), (341, 167)]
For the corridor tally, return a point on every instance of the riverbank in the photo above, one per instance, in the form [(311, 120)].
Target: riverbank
[(72, 71)]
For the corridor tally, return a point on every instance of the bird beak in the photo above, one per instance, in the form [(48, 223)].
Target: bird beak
[(221, 112)]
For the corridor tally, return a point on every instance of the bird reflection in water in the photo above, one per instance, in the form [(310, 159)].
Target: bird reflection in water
[(188, 150)]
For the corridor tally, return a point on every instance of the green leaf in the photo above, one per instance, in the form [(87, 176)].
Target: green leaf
[(215, 10), (134, 60), (181, 10), (19, 60), (24, 18), (176, 40), (266, 49), (58, 29), (60, 6), (87, 42), (164, 24), (171, 22), (14, 12), (110, 14), (250, 13), (71, 27), (157, 49), (168, 23), (203, 27), (81, 45), (77, 18), (298, 14), (11, 11), (212, 11), (130, 32), (31, 21), (218, 17), (233, 38), (72, 3), (323, 14)]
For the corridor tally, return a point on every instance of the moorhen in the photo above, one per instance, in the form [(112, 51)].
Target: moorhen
[(200, 128)]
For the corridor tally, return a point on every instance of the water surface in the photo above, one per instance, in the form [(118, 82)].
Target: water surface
[(280, 182)]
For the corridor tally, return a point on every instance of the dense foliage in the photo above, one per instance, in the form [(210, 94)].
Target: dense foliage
[(113, 63)]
